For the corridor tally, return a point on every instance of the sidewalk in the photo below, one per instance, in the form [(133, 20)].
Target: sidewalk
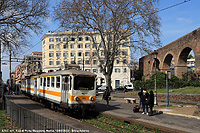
[(177, 121)]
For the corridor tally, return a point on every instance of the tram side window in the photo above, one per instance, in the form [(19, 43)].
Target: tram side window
[(41, 81), (57, 82), (44, 83), (48, 81), (52, 81), (35, 83)]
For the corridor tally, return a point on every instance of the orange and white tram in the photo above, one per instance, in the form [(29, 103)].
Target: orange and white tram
[(74, 89)]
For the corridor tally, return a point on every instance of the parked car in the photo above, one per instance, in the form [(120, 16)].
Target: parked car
[(129, 86), (103, 87)]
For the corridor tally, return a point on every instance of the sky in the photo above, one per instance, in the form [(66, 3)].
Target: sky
[(175, 23)]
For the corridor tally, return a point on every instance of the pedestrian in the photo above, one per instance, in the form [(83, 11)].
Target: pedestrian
[(151, 102), (140, 95), (144, 98), (8, 89), (106, 95)]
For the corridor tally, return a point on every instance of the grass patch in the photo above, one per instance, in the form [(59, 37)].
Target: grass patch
[(185, 90), (117, 126), (162, 106), (5, 121)]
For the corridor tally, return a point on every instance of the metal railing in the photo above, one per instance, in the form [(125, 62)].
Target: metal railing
[(33, 122)]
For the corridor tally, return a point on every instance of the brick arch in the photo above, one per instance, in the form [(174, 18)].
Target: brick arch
[(181, 65), (166, 62), (179, 50), (158, 67)]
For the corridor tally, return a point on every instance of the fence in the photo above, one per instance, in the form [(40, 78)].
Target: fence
[(33, 122)]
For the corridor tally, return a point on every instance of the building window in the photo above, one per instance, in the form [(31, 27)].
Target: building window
[(72, 61), (65, 54), (65, 46), (117, 61), (124, 53), (80, 61), (80, 45), (79, 54), (125, 45), (51, 40), (80, 39), (125, 70), (87, 38), (51, 54), (65, 39), (58, 54), (72, 54), (57, 62), (94, 53), (117, 70), (94, 61), (58, 39), (43, 42), (102, 61), (93, 45), (87, 53), (87, 61), (72, 39), (87, 45), (51, 46), (124, 61), (50, 62), (58, 46), (65, 62), (72, 45)]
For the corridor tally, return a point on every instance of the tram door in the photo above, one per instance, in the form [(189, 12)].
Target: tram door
[(65, 89), (35, 86)]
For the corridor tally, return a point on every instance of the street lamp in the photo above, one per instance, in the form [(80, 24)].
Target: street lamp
[(155, 53)]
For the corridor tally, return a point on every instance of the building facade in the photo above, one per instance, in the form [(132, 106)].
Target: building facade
[(18, 73), (32, 64), (68, 47)]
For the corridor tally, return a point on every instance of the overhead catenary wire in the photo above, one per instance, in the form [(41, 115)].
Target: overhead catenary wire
[(136, 18)]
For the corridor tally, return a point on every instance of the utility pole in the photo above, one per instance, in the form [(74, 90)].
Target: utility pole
[(0, 64), (10, 62)]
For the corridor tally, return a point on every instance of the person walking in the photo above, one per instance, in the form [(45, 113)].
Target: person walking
[(144, 98), (106, 95), (151, 102), (140, 95), (8, 89)]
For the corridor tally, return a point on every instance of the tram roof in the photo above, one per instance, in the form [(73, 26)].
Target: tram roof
[(69, 72)]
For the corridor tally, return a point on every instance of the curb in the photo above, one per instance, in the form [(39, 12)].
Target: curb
[(188, 116)]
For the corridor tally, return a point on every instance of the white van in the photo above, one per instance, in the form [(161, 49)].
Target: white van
[(129, 86), (103, 87)]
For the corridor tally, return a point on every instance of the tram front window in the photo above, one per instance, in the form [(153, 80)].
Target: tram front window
[(83, 83)]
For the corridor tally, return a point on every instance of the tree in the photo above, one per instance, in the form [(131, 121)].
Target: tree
[(134, 23), (18, 18)]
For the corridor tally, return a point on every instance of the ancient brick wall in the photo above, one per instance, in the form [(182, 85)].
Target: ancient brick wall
[(179, 50)]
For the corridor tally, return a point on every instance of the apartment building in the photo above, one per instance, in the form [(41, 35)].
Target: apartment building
[(18, 73), (32, 64), (68, 47)]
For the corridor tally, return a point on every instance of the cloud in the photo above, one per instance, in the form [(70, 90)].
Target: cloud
[(184, 20)]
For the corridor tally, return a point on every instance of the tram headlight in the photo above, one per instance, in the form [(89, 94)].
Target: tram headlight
[(91, 98), (76, 98)]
